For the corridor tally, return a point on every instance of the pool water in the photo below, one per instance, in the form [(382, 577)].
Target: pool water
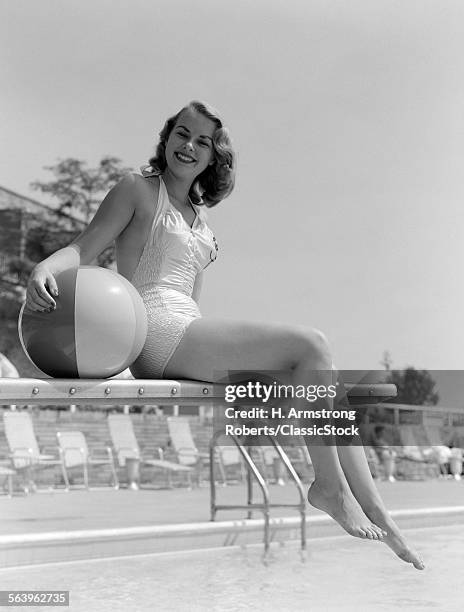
[(340, 573)]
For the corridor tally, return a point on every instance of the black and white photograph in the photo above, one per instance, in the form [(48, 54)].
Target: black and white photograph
[(231, 374)]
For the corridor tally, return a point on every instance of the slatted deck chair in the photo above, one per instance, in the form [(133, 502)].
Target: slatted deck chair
[(75, 454), (26, 457), (126, 447), (184, 446), (230, 461)]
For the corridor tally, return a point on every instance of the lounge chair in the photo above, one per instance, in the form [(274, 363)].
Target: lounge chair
[(184, 446), (75, 454), (25, 454), (127, 448), (230, 461)]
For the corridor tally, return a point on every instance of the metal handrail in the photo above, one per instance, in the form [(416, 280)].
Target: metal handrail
[(265, 505)]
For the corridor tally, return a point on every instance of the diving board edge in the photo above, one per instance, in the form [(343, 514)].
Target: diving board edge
[(60, 391)]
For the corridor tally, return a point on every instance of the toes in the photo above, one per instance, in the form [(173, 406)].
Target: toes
[(375, 535), (370, 532), (380, 533)]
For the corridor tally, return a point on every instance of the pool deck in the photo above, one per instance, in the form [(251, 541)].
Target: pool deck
[(55, 525), (108, 508)]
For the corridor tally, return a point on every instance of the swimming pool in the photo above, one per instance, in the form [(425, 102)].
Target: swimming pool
[(341, 573)]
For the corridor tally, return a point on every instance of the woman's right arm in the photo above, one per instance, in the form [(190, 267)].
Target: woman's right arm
[(113, 215)]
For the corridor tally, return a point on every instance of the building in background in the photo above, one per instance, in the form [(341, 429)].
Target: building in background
[(29, 232)]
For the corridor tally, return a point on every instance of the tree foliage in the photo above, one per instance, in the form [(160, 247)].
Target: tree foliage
[(415, 387), (80, 189)]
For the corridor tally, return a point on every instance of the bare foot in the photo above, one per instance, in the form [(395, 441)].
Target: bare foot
[(343, 508), (394, 539)]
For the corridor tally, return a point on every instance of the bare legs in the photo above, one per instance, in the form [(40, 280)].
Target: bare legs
[(356, 469), (330, 491), (343, 485)]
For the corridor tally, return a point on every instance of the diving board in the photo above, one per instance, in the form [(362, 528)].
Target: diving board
[(75, 391)]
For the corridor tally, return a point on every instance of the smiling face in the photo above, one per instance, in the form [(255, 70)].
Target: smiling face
[(189, 148)]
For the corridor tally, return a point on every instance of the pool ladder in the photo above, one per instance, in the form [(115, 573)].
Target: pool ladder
[(251, 472)]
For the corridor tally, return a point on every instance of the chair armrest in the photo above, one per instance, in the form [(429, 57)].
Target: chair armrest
[(26, 449), (21, 452), (193, 452), (151, 452), (50, 450), (97, 451)]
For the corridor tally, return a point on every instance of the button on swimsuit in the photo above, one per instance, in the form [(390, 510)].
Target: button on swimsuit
[(171, 259)]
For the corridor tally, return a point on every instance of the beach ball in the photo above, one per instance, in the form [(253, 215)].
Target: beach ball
[(97, 330)]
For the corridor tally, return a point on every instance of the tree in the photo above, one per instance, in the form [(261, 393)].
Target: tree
[(79, 190), (415, 387)]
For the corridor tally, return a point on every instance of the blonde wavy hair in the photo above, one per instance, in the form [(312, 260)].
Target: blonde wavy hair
[(217, 181)]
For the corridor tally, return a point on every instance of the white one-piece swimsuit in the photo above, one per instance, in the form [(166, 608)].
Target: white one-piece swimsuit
[(172, 257)]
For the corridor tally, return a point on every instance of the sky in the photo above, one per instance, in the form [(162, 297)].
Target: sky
[(347, 119)]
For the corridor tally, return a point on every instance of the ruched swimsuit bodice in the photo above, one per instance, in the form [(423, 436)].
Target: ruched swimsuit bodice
[(172, 257)]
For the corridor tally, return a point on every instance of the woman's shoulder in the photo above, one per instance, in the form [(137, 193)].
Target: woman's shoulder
[(135, 179), (140, 186)]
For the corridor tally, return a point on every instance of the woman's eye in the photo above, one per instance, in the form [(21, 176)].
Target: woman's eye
[(203, 143)]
